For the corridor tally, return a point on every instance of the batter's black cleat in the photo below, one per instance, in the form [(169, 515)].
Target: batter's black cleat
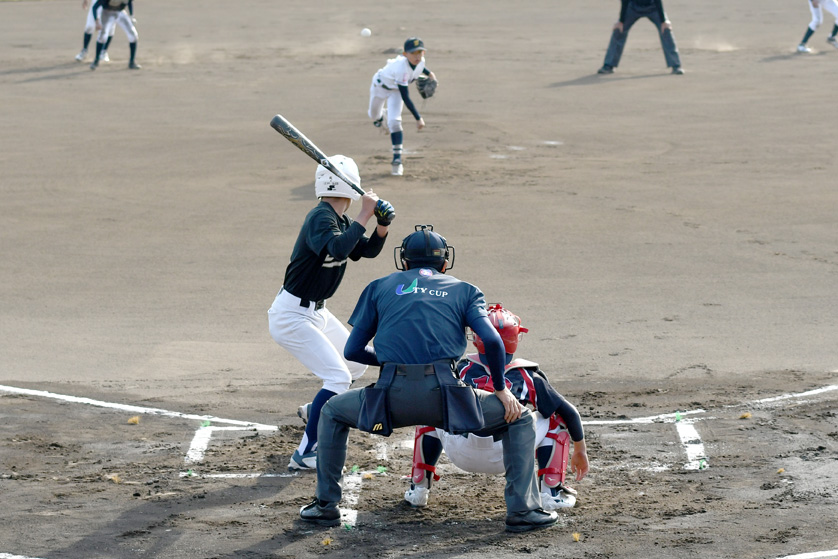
[(134, 66), (321, 513), (530, 520), (606, 69)]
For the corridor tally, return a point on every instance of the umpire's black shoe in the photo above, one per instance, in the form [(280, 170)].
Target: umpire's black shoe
[(321, 513), (606, 69), (530, 520)]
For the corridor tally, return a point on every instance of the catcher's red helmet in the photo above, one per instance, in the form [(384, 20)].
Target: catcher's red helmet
[(508, 326)]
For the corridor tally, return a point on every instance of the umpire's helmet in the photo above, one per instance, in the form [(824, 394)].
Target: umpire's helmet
[(425, 248)]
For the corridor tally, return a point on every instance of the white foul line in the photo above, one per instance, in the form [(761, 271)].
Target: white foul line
[(134, 409), (813, 555), (662, 418), (8, 556), (798, 395)]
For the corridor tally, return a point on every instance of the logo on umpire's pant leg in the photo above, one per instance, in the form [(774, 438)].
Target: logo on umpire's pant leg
[(378, 427)]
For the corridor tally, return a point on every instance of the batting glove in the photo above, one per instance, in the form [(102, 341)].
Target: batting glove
[(384, 212)]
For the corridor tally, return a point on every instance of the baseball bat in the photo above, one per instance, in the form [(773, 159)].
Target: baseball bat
[(281, 125)]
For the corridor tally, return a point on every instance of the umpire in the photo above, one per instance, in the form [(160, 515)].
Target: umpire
[(630, 12), (418, 317)]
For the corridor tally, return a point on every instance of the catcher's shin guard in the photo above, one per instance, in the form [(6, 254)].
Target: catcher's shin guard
[(425, 449), (555, 470), (418, 474)]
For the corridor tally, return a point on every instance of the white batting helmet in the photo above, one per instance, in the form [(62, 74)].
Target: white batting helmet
[(327, 183)]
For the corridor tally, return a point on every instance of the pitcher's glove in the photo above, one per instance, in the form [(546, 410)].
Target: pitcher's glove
[(384, 212), (426, 87)]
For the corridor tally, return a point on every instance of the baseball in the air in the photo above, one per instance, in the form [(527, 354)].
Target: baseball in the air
[(365, 32)]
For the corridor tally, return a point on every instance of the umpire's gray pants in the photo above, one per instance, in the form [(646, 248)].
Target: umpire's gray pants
[(419, 402), (618, 39)]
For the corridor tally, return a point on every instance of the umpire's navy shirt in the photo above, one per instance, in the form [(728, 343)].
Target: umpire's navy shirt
[(418, 316)]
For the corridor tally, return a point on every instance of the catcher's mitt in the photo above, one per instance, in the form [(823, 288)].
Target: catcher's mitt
[(426, 87)]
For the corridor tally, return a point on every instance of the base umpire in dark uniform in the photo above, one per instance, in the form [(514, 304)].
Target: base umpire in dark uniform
[(418, 317), (630, 12)]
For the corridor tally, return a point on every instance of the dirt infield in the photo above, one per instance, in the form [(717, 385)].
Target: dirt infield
[(669, 241)]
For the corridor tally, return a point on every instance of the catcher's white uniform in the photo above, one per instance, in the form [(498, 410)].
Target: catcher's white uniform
[(484, 455)]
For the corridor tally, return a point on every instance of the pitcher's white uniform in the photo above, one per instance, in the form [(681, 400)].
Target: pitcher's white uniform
[(385, 89)]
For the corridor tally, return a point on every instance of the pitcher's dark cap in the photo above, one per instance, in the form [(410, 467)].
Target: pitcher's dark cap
[(413, 44)]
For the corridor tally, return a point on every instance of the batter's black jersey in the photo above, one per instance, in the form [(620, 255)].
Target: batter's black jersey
[(325, 241)]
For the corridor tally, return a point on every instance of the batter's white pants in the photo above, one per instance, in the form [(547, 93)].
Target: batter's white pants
[(484, 455), (817, 13), (109, 20), (378, 97), (316, 338)]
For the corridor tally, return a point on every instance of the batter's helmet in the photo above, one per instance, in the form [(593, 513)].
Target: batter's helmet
[(327, 183), (424, 247), (508, 326)]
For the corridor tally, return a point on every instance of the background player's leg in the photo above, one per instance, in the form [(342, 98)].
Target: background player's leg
[(817, 19), (131, 32), (832, 7), (670, 50), (618, 42)]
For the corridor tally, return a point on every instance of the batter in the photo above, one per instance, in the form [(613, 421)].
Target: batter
[(298, 320)]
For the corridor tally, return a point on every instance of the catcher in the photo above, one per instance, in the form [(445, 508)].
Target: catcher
[(557, 422), (390, 86)]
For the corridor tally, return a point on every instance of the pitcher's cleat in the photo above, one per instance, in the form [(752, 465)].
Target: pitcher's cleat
[(398, 168)]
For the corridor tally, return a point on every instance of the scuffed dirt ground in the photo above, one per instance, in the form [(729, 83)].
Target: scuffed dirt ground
[(669, 241), (771, 477)]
